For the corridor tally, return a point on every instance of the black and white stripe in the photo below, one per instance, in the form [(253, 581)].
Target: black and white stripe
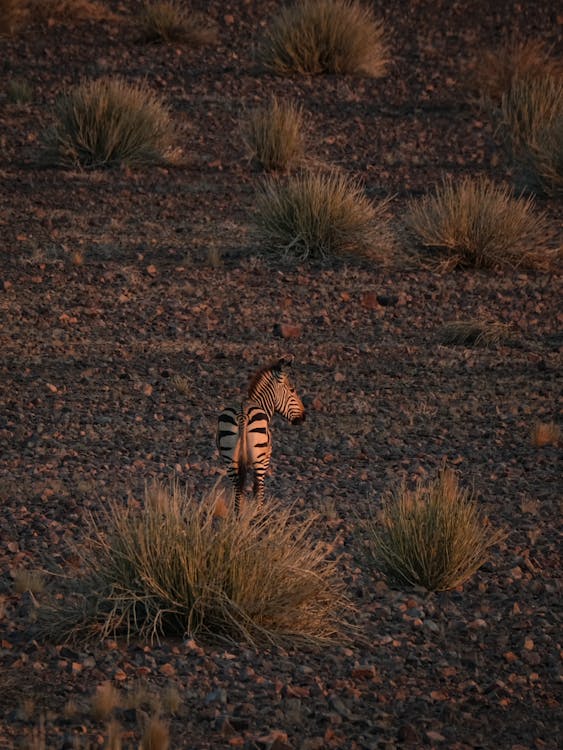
[(243, 433)]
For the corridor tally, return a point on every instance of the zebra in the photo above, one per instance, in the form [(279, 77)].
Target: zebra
[(243, 432)]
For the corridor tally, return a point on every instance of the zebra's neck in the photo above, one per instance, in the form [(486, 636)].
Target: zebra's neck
[(264, 395)]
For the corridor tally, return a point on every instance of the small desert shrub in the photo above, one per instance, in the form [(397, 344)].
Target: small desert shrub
[(516, 60), (531, 120), (273, 135), (325, 36), (545, 433), (474, 332), (172, 568), (108, 122), (432, 536), (479, 224), (320, 214), (170, 21)]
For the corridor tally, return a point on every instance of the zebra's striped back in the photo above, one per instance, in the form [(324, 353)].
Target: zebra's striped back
[(243, 433)]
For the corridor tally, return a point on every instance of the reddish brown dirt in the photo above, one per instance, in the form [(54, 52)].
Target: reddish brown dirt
[(114, 282)]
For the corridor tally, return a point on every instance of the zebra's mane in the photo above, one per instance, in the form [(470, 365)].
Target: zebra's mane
[(276, 364)]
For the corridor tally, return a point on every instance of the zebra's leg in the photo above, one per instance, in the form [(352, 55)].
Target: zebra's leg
[(237, 478), (259, 488)]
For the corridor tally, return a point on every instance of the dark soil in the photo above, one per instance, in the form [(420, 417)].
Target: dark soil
[(114, 282)]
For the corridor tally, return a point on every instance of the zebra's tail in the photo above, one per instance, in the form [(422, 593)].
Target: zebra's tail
[(242, 455)]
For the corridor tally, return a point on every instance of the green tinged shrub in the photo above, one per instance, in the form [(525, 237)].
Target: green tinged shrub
[(321, 214), (273, 135), (173, 567), (325, 36), (108, 122), (478, 224), (432, 536)]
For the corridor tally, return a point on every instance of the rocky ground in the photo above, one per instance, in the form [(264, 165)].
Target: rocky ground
[(113, 283)]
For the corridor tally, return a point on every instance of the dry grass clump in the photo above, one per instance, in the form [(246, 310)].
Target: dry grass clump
[(478, 224), (531, 119), (545, 433), (273, 135), (497, 70), (321, 214), (156, 735), (474, 332), (325, 36), (432, 536), (171, 21), (29, 580), (171, 567), (109, 122)]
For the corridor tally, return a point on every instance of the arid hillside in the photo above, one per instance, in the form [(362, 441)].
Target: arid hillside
[(136, 302)]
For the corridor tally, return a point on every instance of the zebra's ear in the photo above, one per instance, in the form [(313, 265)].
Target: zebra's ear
[(286, 360)]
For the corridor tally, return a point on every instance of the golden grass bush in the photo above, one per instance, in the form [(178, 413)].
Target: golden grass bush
[(325, 36), (475, 223), (432, 536), (316, 214), (172, 21), (474, 332), (109, 122), (273, 135), (156, 735), (172, 567)]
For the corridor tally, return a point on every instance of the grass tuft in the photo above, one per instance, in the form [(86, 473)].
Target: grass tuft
[(531, 120), (104, 701), (325, 36), (479, 225), (273, 135), (474, 332), (432, 536), (12, 14), (109, 122), (173, 568), (156, 735), (171, 21), (497, 70), (320, 214)]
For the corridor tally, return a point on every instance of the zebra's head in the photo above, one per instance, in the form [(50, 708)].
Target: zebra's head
[(272, 387)]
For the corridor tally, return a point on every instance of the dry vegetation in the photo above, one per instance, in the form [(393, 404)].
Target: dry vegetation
[(325, 36), (108, 122), (274, 135), (174, 567), (320, 214), (478, 224), (432, 536), (474, 332), (172, 21)]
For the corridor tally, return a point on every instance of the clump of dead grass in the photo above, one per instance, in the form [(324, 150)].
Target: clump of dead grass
[(432, 536), (521, 85), (12, 13), (497, 70), (273, 135), (531, 120), (172, 21), (475, 223), (325, 36), (546, 433), (172, 567), (109, 122), (474, 332), (320, 214)]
